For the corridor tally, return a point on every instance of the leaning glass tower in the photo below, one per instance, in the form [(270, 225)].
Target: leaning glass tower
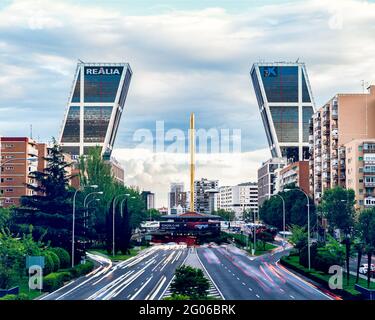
[(286, 105), (95, 107)]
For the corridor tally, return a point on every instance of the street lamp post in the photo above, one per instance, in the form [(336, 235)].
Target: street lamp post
[(113, 220), (282, 199), (86, 206), (74, 218), (308, 224)]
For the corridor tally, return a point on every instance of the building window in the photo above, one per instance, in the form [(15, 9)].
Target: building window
[(360, 202), (360, 191), (71, 129), (9, 190), (360, 148), (360, 169), (9, 168), (285, 120), (360, 158)]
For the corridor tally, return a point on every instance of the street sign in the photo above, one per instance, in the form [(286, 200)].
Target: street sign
[(35, 261)]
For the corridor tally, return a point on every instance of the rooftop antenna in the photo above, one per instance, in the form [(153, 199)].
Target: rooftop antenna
[(297, 60), (31, 131), (80, 60)]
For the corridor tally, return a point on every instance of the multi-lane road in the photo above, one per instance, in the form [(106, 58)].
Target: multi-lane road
[(148, 275), (242, 278), (143, 277)]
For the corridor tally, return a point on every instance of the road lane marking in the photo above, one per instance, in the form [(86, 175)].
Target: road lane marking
[(160, 285), (140, 289)]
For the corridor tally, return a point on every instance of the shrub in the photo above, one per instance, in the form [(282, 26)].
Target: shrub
[(48, 263), (9, 297), (177, 297), (63, 256), (82, 269), (55, 280), (20, 296), (55, 259)]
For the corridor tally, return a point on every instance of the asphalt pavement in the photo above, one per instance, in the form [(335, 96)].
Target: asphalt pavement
[(241, 277), (143, 277)]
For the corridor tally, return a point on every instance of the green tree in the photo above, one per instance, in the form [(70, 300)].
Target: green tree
[(49, 210), (190, 282), (366, 227), (153, 214), (249, 215), (338, 206), (5, 215), (95, 171), (299, 237), (271, 212), (225, 215)]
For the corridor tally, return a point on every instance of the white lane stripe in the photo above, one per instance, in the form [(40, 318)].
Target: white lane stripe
[(140, 289), (158, 288)]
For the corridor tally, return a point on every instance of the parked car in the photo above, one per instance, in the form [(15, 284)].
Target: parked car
[(364, 268)]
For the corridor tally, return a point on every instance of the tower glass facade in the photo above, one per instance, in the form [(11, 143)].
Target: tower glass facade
[(95, 107), (286, 105)]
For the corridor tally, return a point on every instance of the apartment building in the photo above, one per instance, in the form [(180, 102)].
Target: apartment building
[(343, 118), (296, 173), (267, 178), (177, 197), (19, 156), (239, 198), (205, 195), (360, 171)]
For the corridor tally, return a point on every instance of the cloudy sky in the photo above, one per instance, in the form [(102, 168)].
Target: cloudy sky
[(186, 56)]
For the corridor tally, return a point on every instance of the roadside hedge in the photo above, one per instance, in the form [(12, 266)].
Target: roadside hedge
[(55, 280), (21, 296), (63, 256)]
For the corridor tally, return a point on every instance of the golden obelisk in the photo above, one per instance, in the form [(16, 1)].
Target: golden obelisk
[(192, 160)]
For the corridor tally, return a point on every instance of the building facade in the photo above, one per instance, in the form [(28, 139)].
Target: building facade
[(286, 104), (239, 198), (360, 171), (95, 107), (297, 174), (205, 195), (177, 197), (343, 118), (117, 171), (149, 199), (19, 156), (267, 178)]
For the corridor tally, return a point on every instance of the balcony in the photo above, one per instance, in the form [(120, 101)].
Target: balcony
[(369, 147), (369, 183), (334, 114)]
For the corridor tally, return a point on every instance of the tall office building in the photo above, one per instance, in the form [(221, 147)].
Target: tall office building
[(95, 107), (344, 118), (205, 195), (286, 105)]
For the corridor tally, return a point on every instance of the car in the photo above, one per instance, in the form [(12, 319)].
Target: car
[(364, 268)]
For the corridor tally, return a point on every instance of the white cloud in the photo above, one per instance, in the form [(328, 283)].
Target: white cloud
[(155, 171)]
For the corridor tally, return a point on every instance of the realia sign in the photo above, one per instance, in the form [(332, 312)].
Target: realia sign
[(103, 70)]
